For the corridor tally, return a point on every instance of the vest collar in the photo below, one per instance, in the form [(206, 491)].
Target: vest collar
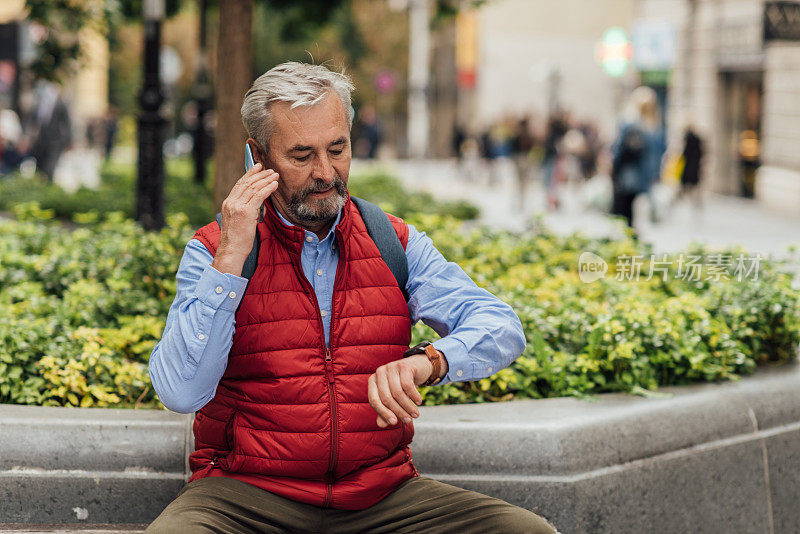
[(292, 236)]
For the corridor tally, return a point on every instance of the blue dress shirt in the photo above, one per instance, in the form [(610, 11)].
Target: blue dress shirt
[(480, 333)]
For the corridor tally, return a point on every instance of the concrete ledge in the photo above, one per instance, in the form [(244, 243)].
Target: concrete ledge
[(84, 465), (707, 458)]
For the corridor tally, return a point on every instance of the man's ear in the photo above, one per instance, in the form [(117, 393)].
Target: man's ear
[(259, 154)]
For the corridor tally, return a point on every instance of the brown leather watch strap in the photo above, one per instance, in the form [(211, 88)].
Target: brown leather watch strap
[(435, 358)]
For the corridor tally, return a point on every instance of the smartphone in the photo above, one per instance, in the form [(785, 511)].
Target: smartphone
[(248, 164), (248, 158)]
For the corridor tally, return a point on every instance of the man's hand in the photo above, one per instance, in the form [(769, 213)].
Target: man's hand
[(240, 218), (392, 389)]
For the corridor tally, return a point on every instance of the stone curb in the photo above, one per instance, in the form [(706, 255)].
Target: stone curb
[(703, 458)]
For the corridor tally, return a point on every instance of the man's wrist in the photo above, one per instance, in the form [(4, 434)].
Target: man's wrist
[(437, 362), (229, 262)]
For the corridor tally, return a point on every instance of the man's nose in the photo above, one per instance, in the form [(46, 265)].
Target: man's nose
[(323, 169)]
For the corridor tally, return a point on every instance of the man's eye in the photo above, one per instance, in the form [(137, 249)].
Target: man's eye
[(336, 152), (303, 158)]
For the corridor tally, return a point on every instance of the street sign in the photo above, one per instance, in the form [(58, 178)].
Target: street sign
[(781, 21), (654, 44)]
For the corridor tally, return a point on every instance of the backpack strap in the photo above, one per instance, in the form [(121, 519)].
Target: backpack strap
[(382, 232), (249, 267)]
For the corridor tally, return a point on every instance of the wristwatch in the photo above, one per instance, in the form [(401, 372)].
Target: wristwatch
[(433, 355)]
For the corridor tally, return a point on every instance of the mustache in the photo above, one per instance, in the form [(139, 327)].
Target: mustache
[(319, 185)]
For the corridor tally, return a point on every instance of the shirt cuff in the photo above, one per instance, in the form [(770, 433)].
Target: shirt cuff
[(458, 360), (220, 291)]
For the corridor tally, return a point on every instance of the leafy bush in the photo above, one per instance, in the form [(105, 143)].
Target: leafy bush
[(117, 192), (616, 335), (183, 195), (81, 310)]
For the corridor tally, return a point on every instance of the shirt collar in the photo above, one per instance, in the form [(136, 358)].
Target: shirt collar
[(309, 233)]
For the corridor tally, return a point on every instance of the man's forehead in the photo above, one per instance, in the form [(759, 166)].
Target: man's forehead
[(322, 122)]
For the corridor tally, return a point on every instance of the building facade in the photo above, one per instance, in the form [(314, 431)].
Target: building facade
[(736, 79), (86, 91), (537, 56)]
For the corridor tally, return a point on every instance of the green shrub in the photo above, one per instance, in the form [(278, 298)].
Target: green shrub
[(81, 310), (117, 192), (183, 195), (615, 335)]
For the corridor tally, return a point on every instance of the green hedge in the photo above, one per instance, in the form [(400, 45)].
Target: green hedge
[(116, 193), (183, 195), (619, 335), (81, 310)]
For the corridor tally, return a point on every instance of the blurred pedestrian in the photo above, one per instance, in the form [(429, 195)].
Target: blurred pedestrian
[(53, 128), (637, 153), (749, 160), (369, 133), (556, 128), (523, 147), (690, 175), (459, 136), (111, 123), (499, 144), (470, 162), (12, 142), (592, 146)]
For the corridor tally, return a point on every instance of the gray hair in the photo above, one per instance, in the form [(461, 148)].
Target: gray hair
[(299, 84)]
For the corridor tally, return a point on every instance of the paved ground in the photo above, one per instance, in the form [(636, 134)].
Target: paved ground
[(723, 221), (61, 529)]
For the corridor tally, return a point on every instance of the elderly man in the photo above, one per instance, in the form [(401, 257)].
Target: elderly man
[(301, 377)]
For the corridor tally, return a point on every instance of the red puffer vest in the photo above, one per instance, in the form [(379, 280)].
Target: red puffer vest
[(289, 415)]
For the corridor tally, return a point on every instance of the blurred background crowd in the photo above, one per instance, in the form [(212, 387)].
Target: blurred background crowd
[(661, 99)]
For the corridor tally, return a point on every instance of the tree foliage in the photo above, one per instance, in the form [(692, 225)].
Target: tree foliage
[(59, 51)]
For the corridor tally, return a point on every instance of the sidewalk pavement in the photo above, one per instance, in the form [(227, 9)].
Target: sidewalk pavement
[(724, 220), (71, 529)]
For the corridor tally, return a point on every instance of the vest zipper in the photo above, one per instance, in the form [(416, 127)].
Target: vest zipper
[(328, 366), (331, 399), (329, 370), (334, 428), (331, 394)]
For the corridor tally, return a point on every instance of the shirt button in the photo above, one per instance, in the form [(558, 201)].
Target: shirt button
[(218, 290), (460, 372), (201, 336), (319, 272), (309, 238), (232, 295), (324, 313)]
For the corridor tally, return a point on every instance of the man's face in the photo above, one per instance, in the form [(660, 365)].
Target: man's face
[(310, 149)]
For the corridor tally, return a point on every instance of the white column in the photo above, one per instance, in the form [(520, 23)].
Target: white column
[(418, 69)]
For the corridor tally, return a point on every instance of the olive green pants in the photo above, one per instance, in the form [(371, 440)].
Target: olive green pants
[(225, 505)]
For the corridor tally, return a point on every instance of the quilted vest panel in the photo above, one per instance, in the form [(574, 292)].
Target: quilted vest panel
[(290, 415)]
